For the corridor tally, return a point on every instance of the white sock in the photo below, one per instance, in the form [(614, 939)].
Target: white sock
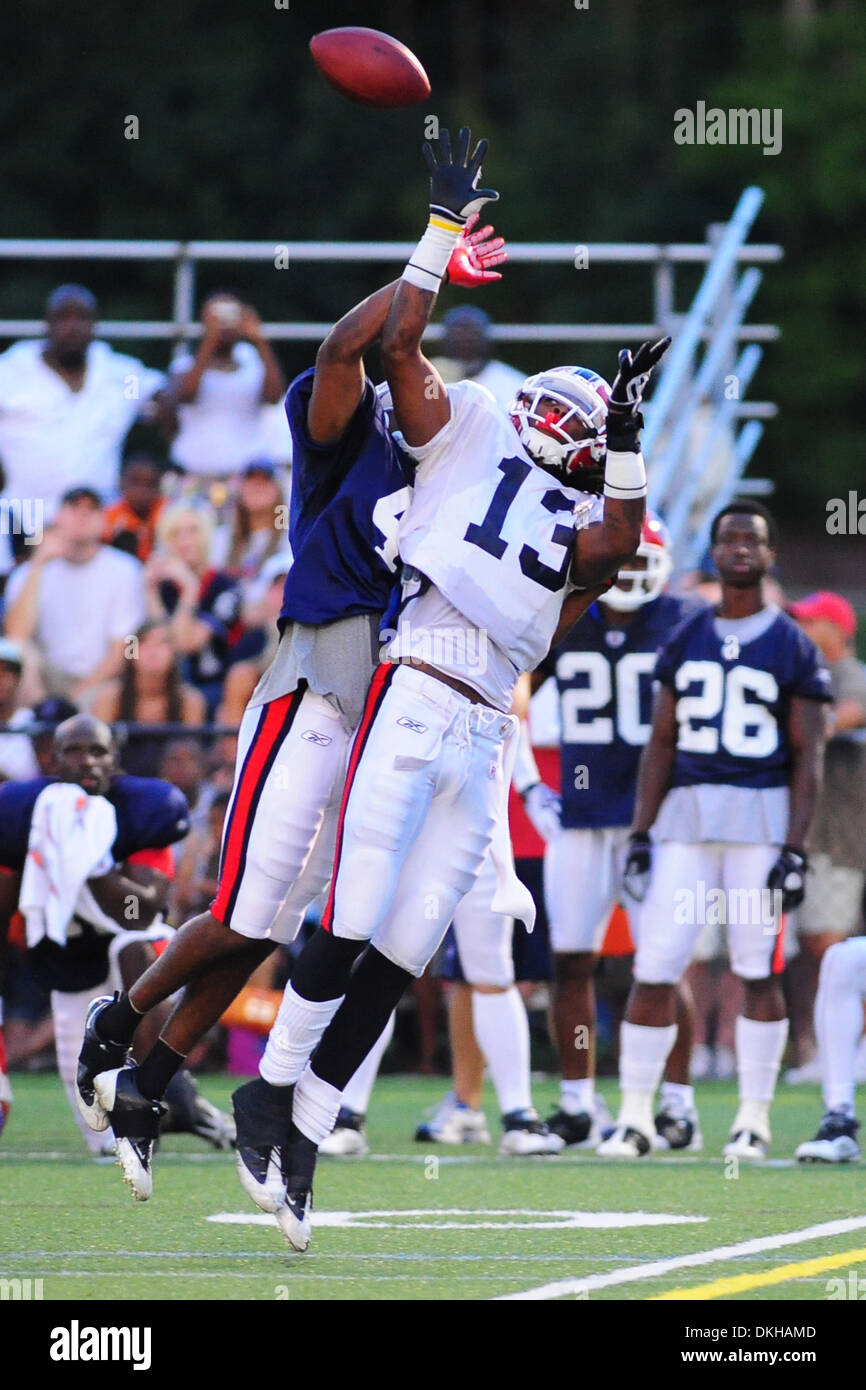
[(577, 1097), (315, 1106), (643, 1052), (502, 1030), (357, 1093), (297, 1031), (839, 1019), (677, 1099), (759, 1055)]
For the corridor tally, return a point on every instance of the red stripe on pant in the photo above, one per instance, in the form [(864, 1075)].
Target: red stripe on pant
[(270, 731), (778, 964), (382, 677)]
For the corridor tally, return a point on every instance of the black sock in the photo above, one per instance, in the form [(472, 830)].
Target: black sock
[(373, 991), (300, 1161), (117, 1022), (323, 968), (157, 1069)]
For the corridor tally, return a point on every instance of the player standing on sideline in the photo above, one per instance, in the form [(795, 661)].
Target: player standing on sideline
[(350, 483), (490, 557), (728, 784), (109, 935), (603, 674)]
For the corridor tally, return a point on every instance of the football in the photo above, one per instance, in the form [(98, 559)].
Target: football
[(369, 67)]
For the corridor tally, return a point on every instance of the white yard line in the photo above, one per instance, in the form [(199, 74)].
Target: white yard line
[(656, 1268)]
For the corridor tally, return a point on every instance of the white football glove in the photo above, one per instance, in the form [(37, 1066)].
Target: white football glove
[(544, 808)]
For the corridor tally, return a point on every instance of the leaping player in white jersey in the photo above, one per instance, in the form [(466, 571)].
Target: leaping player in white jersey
[(494, 548)]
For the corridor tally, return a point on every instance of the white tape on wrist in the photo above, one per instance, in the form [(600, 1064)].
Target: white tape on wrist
[(624, 476), (429, 260)]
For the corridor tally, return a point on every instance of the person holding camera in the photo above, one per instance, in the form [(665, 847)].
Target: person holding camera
[(220, 391)]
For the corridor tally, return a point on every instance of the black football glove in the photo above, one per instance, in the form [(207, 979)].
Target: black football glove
[(624, 420), (788, 876), (635, 878), (453, 181)]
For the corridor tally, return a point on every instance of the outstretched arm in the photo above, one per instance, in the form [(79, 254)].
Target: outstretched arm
[(600, 549), (339, 380), (420, 400)]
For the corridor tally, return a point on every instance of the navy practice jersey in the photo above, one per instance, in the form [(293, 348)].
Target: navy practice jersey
[(733, 693), (347, 499), (151, 814), (604, 678)]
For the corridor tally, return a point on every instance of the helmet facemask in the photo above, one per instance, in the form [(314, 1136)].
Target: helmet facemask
[(547, 408)]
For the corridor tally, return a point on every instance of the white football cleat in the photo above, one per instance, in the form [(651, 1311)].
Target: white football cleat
[(348, 1138), (525, 1134), (835, 1142), (134, 1118), (625, 1142), (745, 1143), (452, 1122), (293, 1219)]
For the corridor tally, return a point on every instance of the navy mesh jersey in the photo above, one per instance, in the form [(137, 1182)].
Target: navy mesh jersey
[(347, 499)]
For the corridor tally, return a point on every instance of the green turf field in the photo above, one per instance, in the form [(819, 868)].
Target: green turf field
[(402, 1225)]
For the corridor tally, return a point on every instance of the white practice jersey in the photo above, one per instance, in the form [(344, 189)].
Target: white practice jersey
[(492, 530)]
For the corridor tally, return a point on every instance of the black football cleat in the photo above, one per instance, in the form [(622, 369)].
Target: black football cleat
[(572, 1129), (135, 1120), (96, 1056), (835, 1142), (293, 1217), (263, 1118)]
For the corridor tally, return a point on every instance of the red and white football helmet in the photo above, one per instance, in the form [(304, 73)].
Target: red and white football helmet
[(646, 584), (547, 404)]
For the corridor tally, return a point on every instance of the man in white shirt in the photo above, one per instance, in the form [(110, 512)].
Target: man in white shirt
[(221, 392), (77, 601), (67, 403), (467, 355)]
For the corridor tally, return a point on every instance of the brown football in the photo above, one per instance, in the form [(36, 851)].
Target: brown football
[(369, 67)]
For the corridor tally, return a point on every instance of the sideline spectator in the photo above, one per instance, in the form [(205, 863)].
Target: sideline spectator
[(198, 871), (220, 391), (76, 600), (257, 528), (203, 605), (149, 690), (130, 523), (183, 764), (467, 352), (67, 402), (832, 907), (17, 759)]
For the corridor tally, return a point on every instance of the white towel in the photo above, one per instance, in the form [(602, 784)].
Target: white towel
[(71, 835)]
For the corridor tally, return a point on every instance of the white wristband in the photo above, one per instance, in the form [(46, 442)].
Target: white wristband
[(624, 475), (429, 260)]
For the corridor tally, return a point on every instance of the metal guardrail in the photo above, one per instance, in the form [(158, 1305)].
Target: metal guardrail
[(714, 322)]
